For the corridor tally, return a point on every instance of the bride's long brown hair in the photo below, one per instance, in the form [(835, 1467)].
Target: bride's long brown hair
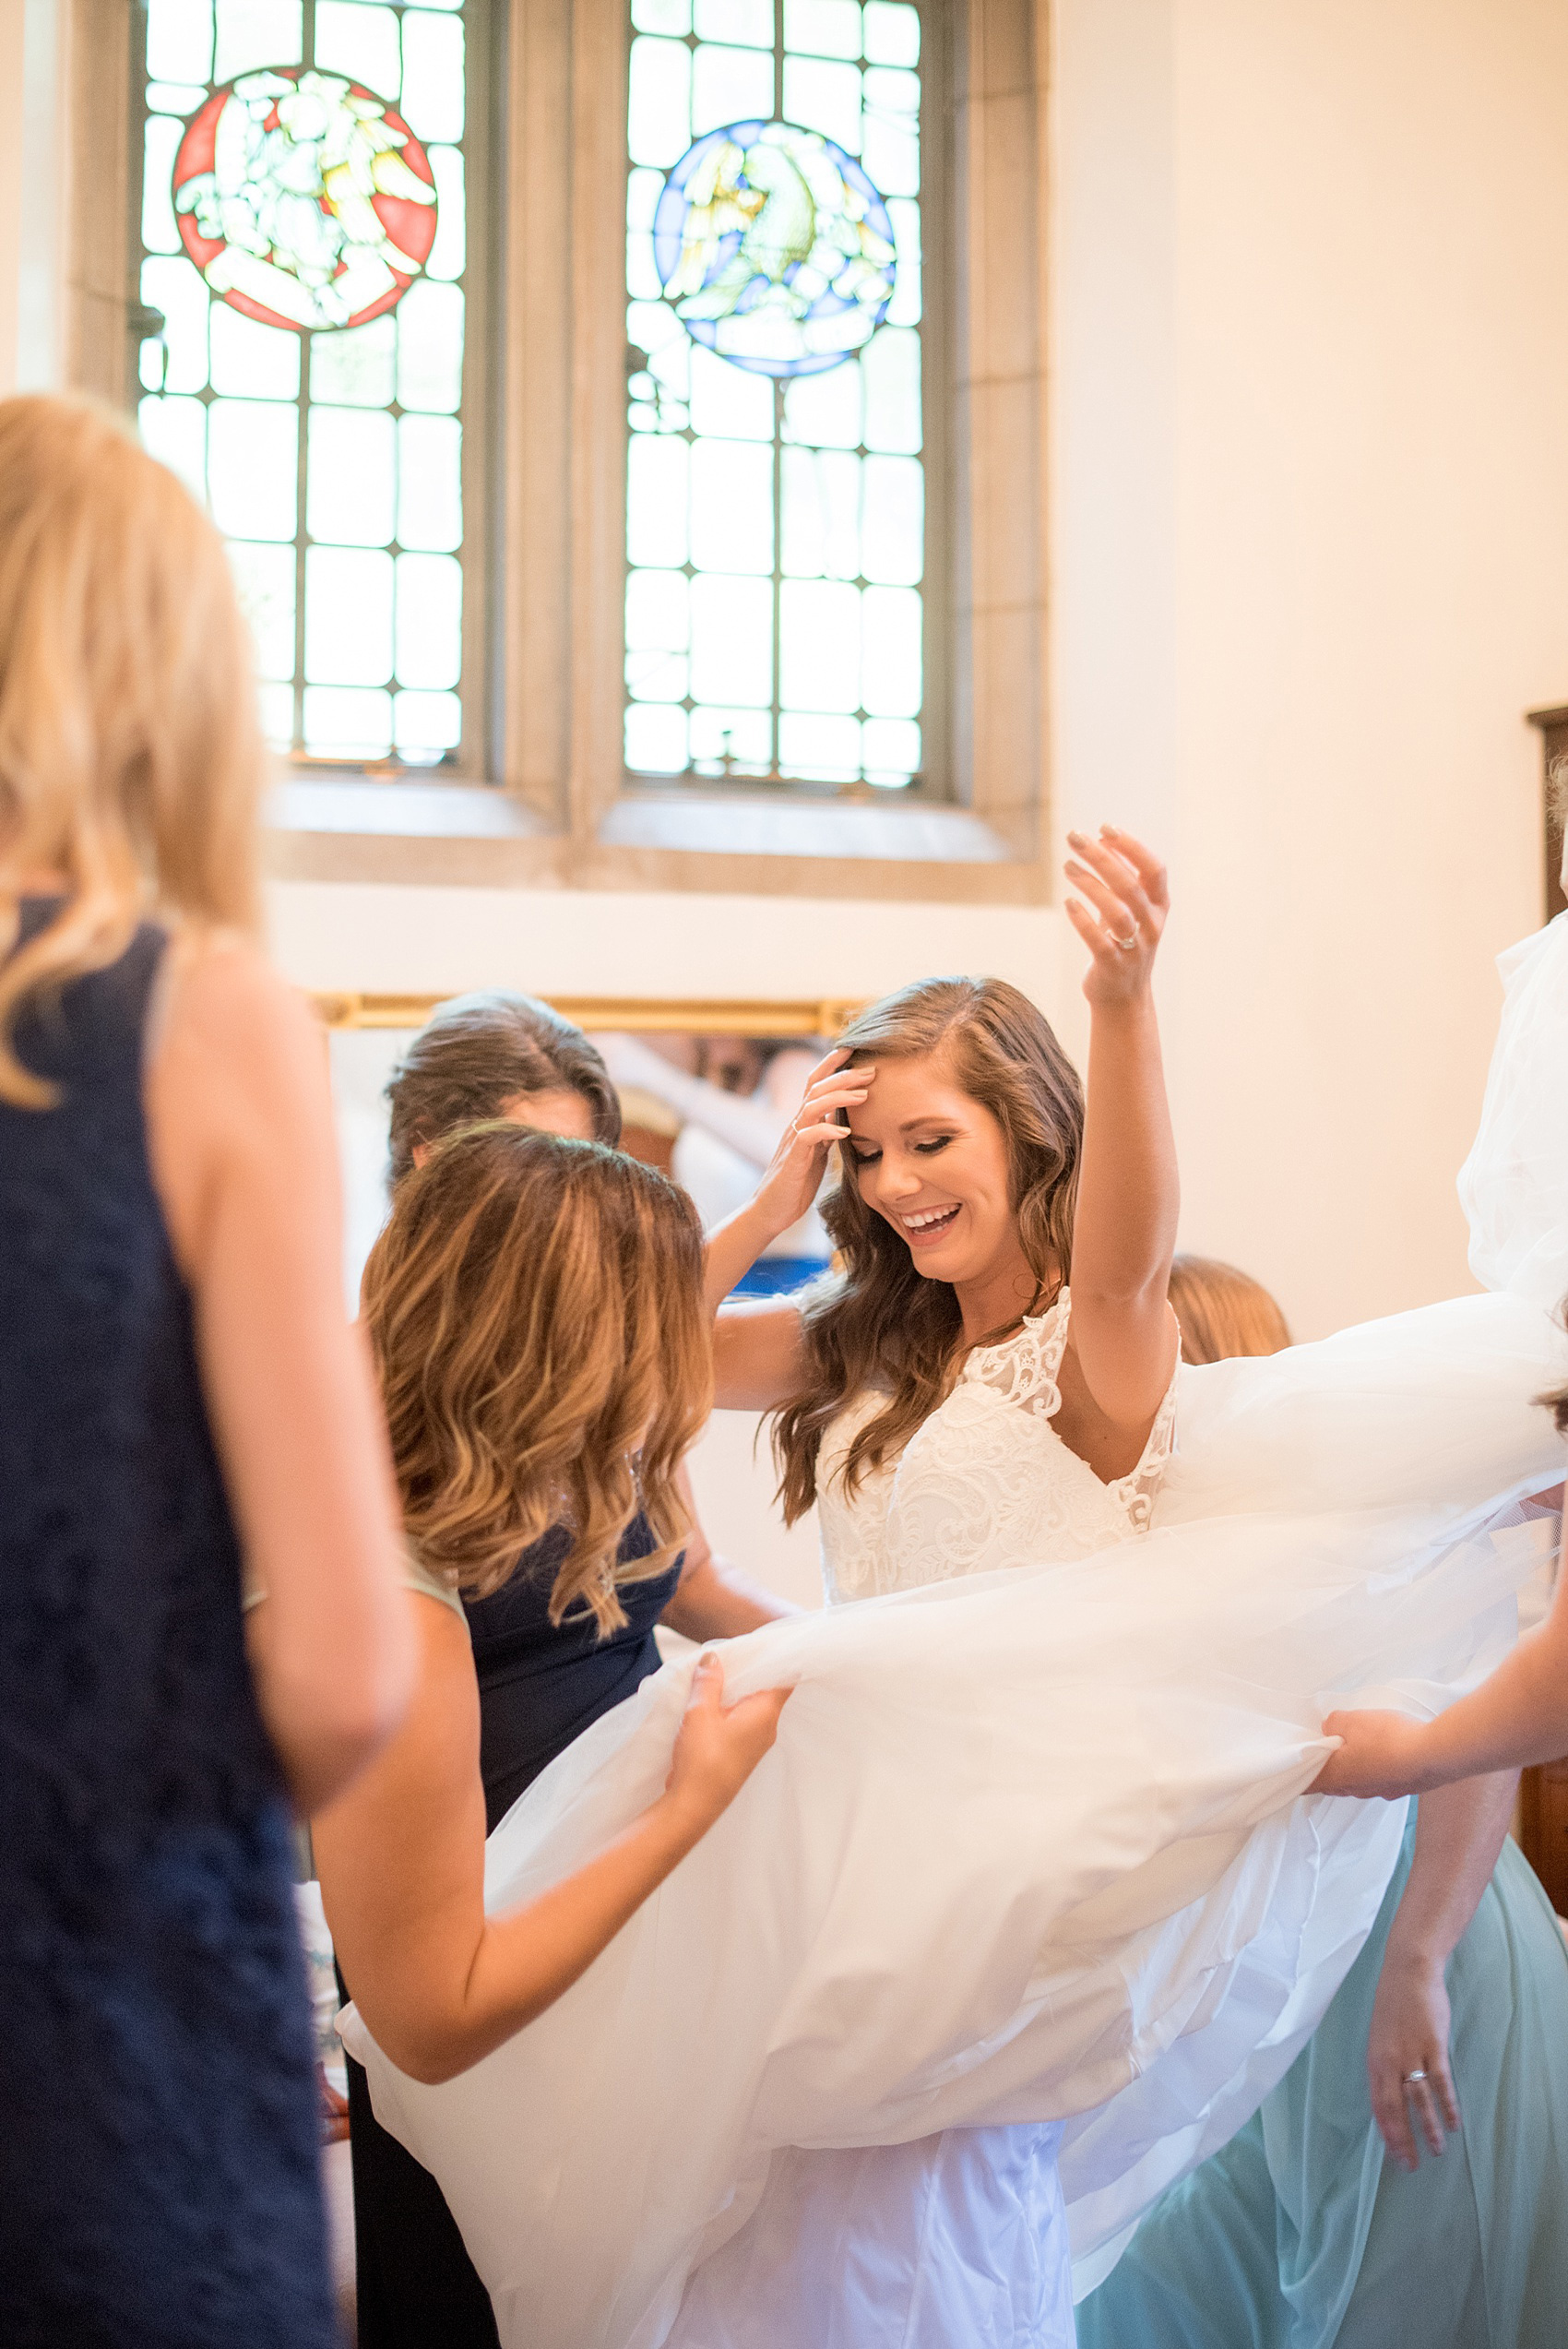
[(880, 1323), (535, 1310)]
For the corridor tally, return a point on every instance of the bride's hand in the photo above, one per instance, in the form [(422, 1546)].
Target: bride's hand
[(788, 1187), (1126, 886), (1379, 1754), (718, 1746)]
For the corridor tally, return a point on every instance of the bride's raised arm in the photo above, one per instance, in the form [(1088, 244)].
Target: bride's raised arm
[(756, 1347), (1125, 1224)]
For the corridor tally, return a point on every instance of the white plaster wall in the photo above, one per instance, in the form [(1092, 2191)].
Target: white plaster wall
[(34, 180), (1311, 483)]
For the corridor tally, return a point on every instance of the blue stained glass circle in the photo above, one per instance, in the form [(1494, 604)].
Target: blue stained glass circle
[(773, 248)]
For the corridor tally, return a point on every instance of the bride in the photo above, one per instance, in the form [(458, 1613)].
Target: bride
[(972, 1178), (1027, 1879)]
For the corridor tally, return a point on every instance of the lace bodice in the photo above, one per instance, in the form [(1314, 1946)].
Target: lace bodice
[(985, 1482)]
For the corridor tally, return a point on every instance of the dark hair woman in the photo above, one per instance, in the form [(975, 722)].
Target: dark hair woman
[(548, 1661)]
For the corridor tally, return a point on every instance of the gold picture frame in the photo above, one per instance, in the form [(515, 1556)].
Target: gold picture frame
[(822, 1016)]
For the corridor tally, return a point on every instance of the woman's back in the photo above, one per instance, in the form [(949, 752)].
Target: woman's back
[(541, 1683), (158, 2177)]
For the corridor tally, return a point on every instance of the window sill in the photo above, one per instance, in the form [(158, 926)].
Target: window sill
[(401, 810), (469, 835), (728, 823)]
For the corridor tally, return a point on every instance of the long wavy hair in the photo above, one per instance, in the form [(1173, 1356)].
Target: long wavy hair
[(536, 1315), (131, 760), (878, 1322)]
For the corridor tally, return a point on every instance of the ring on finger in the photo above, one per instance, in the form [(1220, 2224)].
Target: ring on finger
[(1414, 2079), (1127, 943)]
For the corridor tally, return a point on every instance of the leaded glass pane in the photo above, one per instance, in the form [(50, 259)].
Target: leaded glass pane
[(253, 467), (892, 32), (430, 620), (264, 576), (662, 15), (356, 39), (430, 484), (352, 497), (303, 224), (748, 20), (348, 617), (825, 28), (179, 40), (254, 34), (776, 481), (655, 738), (426, 724), (248, 357), (728, 83)]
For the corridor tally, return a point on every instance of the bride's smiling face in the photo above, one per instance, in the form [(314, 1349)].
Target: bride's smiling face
[(932, 1162)]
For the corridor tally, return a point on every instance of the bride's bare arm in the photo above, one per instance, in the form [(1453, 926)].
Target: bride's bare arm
[(1124, 1225), (756, 1347), (401, 1860)]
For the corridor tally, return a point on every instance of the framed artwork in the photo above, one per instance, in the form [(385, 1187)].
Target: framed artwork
[(706, 1087)]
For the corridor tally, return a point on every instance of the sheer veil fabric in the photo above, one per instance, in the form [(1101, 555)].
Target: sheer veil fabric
[(1032, 1847)]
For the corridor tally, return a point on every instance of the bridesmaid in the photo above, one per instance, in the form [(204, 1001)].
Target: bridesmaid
[(1320, 2225), (181, 1403), (507, 1057)]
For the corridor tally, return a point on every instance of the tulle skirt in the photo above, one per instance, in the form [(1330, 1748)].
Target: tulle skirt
[(1299, 2235), (1032, 1848)]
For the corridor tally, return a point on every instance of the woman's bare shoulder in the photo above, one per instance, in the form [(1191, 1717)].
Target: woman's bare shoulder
[(236, 1081)]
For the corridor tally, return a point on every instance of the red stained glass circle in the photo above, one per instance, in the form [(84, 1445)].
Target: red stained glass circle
[(304, 199)]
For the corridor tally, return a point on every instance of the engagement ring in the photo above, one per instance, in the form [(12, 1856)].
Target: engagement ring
[(1413, 2077)]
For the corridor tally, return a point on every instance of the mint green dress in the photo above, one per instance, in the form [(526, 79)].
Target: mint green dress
[(1299, 2235)]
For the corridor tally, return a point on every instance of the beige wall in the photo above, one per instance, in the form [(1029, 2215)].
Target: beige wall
[(1311, 483), (1310, 474)]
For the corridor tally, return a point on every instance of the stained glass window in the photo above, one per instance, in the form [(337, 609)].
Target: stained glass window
[(304, 239), (776, 471)]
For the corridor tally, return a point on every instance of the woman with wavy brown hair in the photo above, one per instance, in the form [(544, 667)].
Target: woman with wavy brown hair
[(533, 1307)]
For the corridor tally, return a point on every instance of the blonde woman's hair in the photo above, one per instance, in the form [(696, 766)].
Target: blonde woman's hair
[(535, 1310), (131, 761), (878, 1322), (1223, 1312)]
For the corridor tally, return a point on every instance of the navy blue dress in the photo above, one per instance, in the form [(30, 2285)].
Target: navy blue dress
[(158, 2113), (540, 1686)]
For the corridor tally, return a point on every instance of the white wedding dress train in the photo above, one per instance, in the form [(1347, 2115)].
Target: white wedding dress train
[(1033, 1850)]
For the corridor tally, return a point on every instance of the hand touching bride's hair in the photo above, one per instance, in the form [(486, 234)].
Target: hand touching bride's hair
[(881, 1323), (534, 1307)]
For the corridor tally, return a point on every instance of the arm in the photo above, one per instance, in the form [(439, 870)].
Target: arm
[(751, 1128), (756, 1358), (1124, 1223), (793, 1177), (401, 1859), (1517, 1717), (713, 1600), (1459, 1832), (240, 1127)]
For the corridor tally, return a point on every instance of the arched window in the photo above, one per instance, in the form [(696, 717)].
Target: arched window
[(306, 280)]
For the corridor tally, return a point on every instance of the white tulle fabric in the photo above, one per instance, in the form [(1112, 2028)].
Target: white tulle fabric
[(1032, 1847), (1511, 1186)]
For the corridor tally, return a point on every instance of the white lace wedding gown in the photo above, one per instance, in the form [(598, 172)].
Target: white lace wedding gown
[(1030, 1861), (957, 2240)]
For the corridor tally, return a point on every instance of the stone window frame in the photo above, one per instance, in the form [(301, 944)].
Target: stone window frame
[(559, 811)]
